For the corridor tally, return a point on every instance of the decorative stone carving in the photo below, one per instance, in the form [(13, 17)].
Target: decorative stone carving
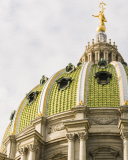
[(70, 136), (32, 147), (43, 80), (56, 128), (103, 121), (83, 135), (64, 82), (70, 68), (124, 135), (31, 96), (22, 150)]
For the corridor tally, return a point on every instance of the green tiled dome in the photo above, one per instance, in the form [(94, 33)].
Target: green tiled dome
[(60, 101), (103, 95), (30, 112)]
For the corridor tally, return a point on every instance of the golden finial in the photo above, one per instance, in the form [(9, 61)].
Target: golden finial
[(39, 114), (126, 103), (80, 103), (101, 17)]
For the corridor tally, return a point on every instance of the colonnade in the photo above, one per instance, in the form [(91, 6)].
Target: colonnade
[(31, 149), (71, 152)]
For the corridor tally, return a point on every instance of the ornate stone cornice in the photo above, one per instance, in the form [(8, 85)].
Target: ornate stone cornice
[(70, 136), (80, 109), (123, 109), (83, 135)]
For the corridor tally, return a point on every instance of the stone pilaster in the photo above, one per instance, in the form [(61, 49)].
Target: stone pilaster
[(23, 152), (71, 138), (33, 149), (10, 142), (82, 136), (40, 124), (123, 126)]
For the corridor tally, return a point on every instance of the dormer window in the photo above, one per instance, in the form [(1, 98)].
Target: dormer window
[(32, 97), (64, 82), (103, 77), (70, 68), (102, 63)]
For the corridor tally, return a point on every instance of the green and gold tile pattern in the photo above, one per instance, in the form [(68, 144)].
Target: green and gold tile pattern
[(29, 113), (103, 95), (60, 101)]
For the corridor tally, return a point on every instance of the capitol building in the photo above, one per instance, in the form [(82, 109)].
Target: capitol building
[(79, 113)]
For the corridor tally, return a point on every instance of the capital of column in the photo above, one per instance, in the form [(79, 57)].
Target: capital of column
[(70, 136), (32, 147), (124, 135), (83, 135), (22, 150)]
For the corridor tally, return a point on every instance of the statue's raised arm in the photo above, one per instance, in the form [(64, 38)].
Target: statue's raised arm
[(101, 17), (95, 16)]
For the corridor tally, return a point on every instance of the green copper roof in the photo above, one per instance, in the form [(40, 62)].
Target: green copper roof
[(30, 112), (60, 101), (103, 95)]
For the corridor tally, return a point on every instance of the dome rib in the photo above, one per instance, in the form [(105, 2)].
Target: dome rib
[(82, 84), (122, 80), (43, 97)]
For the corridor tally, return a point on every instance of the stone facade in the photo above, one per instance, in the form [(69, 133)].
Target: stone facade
[(80, 134)]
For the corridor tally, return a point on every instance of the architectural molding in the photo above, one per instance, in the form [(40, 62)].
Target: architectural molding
[(55, 128), (77, 125), (103, 121), (22, 150)]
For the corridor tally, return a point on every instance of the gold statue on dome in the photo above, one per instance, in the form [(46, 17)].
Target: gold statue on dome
[(101, 17)]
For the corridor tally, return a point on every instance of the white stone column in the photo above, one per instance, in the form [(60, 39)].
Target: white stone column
[(83, 136), (71, 138), (32, 149), (123, 126), (22, 152), (125, 146)]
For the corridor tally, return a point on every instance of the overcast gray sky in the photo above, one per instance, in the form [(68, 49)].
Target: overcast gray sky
[(40, 37)]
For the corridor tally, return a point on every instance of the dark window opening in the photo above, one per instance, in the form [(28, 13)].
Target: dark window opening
[(103, 77), (64, 82)]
